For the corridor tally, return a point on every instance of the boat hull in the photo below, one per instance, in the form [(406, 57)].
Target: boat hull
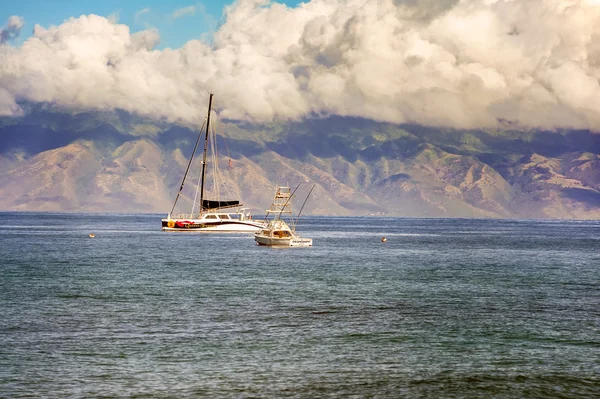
[(207, 226), (283, 242)]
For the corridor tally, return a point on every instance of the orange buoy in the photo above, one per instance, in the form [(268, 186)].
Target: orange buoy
[(92, 235), (383, 239)]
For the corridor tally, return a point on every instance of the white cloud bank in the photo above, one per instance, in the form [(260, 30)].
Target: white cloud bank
[(465, 64)]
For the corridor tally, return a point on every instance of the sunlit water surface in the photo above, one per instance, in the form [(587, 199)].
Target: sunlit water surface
[(444, 308)]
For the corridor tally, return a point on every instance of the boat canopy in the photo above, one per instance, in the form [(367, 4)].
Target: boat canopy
[(211, 204)]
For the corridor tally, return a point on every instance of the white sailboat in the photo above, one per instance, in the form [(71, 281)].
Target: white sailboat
[(209, 215), (278, 232)]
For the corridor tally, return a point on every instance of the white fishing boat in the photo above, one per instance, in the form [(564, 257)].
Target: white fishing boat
[(278, 232), (209, 215)]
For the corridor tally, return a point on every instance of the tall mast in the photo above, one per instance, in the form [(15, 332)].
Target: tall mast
[(204, 157)]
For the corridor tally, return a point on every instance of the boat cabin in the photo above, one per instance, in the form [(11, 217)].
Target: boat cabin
[(276, 233)]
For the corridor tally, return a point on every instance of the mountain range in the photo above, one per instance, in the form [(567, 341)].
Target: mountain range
[(58, 160)]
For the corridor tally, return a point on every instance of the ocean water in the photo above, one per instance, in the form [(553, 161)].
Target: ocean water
[(446, 308)]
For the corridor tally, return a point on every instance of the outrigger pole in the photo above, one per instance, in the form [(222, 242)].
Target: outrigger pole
[(306, 199)]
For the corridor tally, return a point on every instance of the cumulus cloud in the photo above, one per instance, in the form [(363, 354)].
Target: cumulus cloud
[(146, 39), (463, 64), (12, 29), (113, 18), (182, 12)]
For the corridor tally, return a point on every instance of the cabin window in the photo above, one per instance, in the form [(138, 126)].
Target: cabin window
[(211, 217), (224, 216)]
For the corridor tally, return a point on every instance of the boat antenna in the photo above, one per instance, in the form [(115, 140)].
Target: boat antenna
[(204, 156), (187, 170), (306, 199)]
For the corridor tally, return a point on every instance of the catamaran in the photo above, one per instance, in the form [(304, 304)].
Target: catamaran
[(209, 215)]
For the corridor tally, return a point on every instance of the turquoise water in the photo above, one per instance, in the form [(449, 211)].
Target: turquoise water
[(445, 308)]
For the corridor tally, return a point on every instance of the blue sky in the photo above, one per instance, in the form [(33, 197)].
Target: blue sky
[(177, 21)]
